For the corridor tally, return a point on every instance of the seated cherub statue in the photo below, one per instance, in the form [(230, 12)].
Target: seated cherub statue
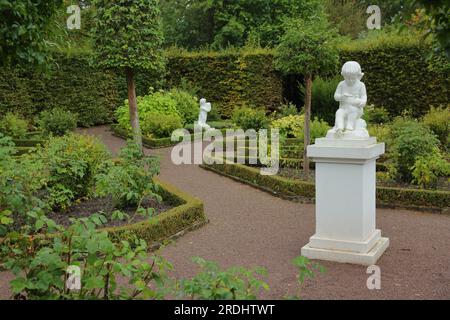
[(352, 97)]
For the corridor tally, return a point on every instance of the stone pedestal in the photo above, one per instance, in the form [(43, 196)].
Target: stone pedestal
[(346, 202)]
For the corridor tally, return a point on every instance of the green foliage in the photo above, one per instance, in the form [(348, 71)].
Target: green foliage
[(211, 283), (41, 271), (290, 126), (128, 34), (323, 104), (438, 120), (229, 79), (57, 121), (220, 23), (393, 64), (23, 26), (409, 141), (380, 131), (428, 168), (286, 109), (129, 179), (306, 269), (186, 104), (72, 161), (376, 115), (348, 16), (73, 85), (160, 125), (13, 125), (307, 47), (249, 118)]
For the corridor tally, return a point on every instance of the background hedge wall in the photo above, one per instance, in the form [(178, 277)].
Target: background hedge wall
[(229, 79), (397, 77)]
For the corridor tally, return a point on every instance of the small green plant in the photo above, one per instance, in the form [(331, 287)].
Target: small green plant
[(129, 179), (408, 141), (13, 125), (212, 283), (41, 268), (160, 125), (438, 120), (186, 104), (380, 131), (376, 115), (323, 104), (250, 118), (427, 169), (72, 162), (286, 109), (290, 126), (306, 269), (57, 121)]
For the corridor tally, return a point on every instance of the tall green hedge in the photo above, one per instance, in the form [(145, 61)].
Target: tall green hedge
[(72, 84), (397, 77), (402, 77), (229, 79)]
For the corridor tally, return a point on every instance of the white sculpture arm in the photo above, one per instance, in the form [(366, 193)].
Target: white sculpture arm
[(338, 96), (362, 96)]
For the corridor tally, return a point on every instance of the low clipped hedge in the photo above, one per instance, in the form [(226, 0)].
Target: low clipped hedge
[(434, 200), (152, 143), (187, 215)]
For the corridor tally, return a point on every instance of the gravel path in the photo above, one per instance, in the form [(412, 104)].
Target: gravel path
[(249, 227)]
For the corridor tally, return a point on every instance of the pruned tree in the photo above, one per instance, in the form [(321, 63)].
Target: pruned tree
[(128, 36), (307, 48)]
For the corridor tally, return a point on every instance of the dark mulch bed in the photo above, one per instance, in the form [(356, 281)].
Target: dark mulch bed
[(87, 207)]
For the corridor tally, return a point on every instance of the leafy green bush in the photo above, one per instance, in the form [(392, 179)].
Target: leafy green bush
[(409, 140), (160, 125), (290, 126), (129, 179), (427, 169), (41, 272), (57, 121), (380, 131), (13, 125), (175, 103), (186, 104), (438, 120), (73, 161), (286, 109), (211, 283), (249, 118), (323, 104), (376, 115)]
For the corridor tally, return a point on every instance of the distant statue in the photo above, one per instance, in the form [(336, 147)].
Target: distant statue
[(205, 107), (352, 97)]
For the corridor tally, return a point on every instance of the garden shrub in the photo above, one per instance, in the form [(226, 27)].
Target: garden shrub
[(160, 125), (128, 179), (13, 125), (438, 120), (409, 140), (428, 168), (250, 118), (186, 104), (290, 126), (380, 131), (286, 109), (57, 121), (323, 104), (73, 161), (376, 115)]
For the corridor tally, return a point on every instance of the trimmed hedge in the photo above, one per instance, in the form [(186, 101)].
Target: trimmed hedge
[(229, 79), (294, 189), (73, 85)]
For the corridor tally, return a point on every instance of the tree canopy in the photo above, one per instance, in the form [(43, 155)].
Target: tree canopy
[(23, 27)]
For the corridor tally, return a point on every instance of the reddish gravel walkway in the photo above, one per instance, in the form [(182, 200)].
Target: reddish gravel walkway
[(249, 227)]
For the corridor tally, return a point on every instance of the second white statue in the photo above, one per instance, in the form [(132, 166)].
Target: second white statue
[(205, 107)]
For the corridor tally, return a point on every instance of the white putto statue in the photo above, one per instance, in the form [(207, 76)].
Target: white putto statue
[(352, 97), (205, 107)]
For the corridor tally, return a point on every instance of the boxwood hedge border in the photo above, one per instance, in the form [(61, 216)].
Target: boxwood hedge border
[(302, 191)]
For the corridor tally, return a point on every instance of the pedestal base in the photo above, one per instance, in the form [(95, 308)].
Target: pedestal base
[(367, 259)]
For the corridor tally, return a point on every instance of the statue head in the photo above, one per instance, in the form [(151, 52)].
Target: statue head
[(351, 71), (202, 101)]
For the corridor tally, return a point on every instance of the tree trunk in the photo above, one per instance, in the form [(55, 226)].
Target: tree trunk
[(307, 138), (134, 118)]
